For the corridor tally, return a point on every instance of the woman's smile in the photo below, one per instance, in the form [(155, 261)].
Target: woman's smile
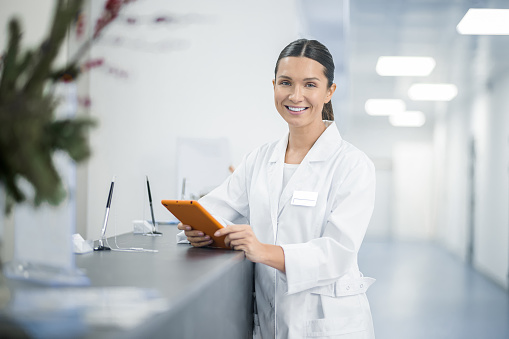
[(295, 110)]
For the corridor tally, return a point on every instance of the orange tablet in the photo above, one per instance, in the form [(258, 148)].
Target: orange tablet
[(191, 213)]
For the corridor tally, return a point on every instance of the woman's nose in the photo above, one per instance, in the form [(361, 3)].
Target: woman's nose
[(296, 94)]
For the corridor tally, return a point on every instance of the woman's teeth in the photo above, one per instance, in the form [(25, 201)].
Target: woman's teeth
[(296, 109)]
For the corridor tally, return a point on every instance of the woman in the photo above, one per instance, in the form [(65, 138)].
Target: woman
[(308, 199)]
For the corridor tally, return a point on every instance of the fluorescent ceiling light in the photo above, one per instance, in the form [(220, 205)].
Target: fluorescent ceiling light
[(484, 21), (408, 119), (404, 66), (384, 106), (433, 92)]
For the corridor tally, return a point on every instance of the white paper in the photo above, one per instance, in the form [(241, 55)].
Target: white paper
[(142, 226), (203, 163), (80, 245)]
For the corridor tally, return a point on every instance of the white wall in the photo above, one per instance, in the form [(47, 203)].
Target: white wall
[(491, 131), (477, 117), (452, 178), (381, 225), (412, 191), (35, 18), (217, 83), (403, 196)]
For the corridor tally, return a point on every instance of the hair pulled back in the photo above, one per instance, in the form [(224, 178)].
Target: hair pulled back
[(314, 50)]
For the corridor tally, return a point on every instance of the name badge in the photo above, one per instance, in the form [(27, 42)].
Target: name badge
[(304, 198)]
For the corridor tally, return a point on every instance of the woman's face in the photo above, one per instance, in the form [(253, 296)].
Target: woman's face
[(300, 91)]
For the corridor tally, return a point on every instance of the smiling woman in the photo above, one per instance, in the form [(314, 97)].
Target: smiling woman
[(308, 199), (303, 88)]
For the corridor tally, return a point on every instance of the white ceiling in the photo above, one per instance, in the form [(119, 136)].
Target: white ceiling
[(367, 29), (403, 28)]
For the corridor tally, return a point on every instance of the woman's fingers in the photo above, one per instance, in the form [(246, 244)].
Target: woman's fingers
[(238, 244), (194, 233), (230, 230), (202, 242), (195, 237), (200, 238), (237, 236), (199, 241), (227, 241), (184, 227), (235, 242), (234, 239)]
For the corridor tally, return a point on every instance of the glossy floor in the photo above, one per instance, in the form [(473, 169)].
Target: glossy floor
[(422, 291)]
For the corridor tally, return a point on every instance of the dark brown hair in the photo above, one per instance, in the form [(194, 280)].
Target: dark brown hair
[(314, 50)]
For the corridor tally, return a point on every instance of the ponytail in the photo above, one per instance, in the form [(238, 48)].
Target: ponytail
[(327, 113)]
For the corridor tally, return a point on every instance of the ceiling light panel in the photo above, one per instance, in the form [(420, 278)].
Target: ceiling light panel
[(382, 107), (432, 92), (405, 66), (408, 119), (484, 21)]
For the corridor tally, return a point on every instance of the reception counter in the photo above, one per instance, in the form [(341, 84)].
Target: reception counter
[(199, 293)]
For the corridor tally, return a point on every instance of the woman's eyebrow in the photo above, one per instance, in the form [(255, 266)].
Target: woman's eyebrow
[(310, 79), (305, 79)]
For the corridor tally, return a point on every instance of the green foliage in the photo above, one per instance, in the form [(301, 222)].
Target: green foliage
[(29, 132)]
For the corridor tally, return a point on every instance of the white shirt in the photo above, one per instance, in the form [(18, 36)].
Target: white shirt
[(288, 171)]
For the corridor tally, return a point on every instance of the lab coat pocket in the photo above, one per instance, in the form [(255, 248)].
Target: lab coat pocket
[(338, 316)]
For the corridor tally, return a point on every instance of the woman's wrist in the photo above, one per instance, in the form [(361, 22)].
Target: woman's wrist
[(273, 256)]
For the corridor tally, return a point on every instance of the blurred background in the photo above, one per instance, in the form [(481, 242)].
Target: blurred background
[(203, 69)]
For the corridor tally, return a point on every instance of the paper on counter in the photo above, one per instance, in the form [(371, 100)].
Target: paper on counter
[(80, 245)]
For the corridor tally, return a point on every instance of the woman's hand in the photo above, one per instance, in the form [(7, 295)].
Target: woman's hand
[(195, 237), (242, 238)]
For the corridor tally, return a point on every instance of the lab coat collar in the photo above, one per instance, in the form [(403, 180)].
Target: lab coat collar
[(280, 149), (323, 148), (326, 144)]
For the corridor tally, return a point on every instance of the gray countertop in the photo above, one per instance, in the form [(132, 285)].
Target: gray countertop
[(175, 271), (212, 287)]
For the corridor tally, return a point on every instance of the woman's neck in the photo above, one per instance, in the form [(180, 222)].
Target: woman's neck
[(300, 141)]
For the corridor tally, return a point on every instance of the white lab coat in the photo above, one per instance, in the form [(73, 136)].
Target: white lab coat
[(321, 295)]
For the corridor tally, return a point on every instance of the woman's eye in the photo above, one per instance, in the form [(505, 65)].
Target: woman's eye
[(310, 85), (285, 83)]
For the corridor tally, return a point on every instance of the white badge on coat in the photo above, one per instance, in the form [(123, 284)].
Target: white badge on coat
[(304, 198)]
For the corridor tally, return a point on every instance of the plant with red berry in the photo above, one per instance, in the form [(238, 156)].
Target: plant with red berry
[(29, 132)]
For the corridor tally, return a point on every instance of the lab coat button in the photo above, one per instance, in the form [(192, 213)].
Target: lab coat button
[(347, 288), (362, 285)]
